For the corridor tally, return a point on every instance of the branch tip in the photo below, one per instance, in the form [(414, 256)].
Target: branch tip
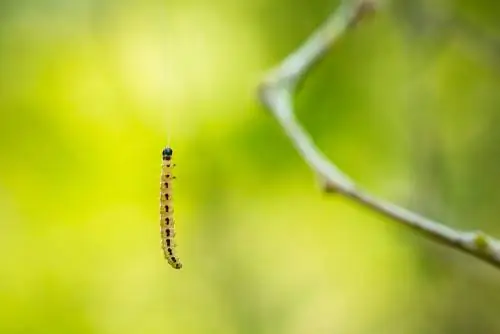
[(481, 241), (366, 9)]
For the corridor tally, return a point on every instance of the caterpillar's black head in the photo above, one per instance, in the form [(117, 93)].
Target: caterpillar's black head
[(167, 153)]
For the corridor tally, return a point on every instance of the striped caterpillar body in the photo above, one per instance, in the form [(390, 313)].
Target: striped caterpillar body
[(167, 210)]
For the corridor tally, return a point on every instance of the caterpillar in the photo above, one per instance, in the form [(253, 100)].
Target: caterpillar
[(167, 210)]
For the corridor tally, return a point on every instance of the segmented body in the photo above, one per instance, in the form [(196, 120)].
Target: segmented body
[(167, 210)]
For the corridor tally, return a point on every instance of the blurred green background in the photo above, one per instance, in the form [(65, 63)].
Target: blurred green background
[(90, 90)]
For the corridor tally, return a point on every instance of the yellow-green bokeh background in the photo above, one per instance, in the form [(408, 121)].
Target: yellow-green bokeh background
[(91, 90)]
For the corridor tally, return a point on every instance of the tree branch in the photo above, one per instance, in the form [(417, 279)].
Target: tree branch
[(276, 93)]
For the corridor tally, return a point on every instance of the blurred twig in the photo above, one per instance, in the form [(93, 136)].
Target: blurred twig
[(437, 25), (276, 93)]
